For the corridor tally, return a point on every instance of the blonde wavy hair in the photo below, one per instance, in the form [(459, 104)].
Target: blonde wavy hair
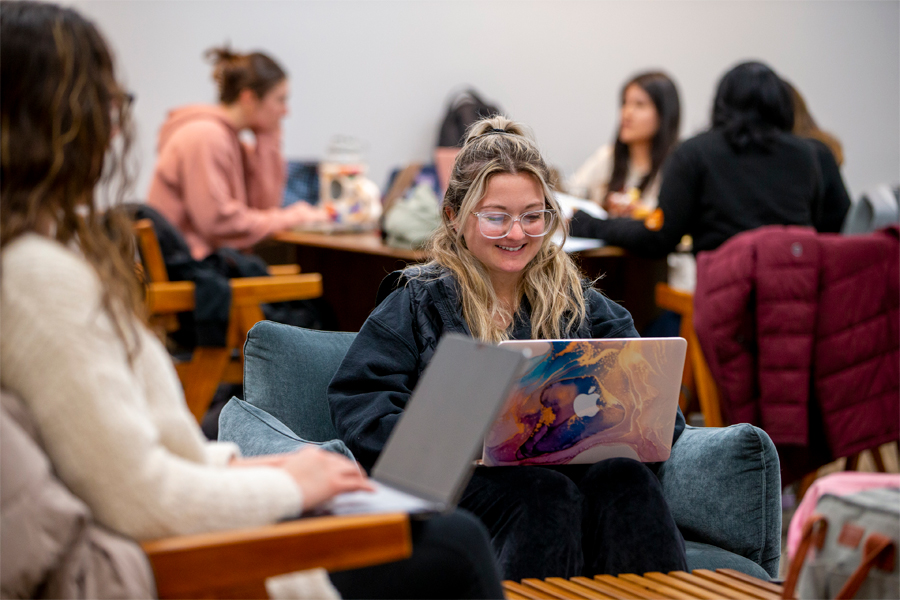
[(551, 282)]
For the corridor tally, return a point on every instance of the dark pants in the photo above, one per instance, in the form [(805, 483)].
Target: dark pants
[(451, 558), (609, 517)]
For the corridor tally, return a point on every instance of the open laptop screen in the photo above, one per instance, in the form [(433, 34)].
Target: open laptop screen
[(582, 401), (431, 449)]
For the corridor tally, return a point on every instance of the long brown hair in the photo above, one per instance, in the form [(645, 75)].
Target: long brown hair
[(551, 281), (806, 126), (664, 95), (234, 72), (60, 107)]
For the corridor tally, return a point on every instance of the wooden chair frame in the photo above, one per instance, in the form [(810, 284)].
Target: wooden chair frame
[(235, 564), (210, 366), (698, 379)]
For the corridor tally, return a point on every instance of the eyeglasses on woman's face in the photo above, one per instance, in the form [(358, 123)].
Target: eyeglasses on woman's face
[(122, 101), (495, 225)]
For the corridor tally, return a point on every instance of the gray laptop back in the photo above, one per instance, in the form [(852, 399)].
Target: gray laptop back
[(430, 453)]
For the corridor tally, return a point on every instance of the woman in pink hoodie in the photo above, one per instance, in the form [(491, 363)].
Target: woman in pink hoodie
[(216, 189)]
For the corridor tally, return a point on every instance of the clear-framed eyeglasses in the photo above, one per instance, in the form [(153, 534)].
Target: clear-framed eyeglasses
[(122, 101), (495, 225)]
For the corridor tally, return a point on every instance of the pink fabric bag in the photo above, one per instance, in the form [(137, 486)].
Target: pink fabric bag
[(839, 484)]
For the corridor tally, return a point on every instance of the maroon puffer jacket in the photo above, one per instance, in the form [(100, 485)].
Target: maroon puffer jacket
[(782, 312)]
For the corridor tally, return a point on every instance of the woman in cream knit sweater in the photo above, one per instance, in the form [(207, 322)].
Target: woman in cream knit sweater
[(101, 389)]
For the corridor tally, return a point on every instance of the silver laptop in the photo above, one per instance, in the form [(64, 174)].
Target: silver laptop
[(583, 401), (427, 461)]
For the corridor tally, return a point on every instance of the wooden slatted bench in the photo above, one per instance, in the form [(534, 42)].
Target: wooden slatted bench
[(701, 584)]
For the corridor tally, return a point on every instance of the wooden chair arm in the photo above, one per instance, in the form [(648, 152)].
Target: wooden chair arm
[(279, 270), (170, 297), (253, 290), (178, 296), (696, 369), (235, 564), (669, 298)]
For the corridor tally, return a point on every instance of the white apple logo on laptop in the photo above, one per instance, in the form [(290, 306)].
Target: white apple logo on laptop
[(586, 405)]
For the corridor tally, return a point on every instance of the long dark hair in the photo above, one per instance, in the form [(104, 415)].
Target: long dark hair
[(60, 106), (752, 106), (663, 93), (234, 72)]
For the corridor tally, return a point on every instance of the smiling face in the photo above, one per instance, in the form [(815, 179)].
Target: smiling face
[(266, 113), (640, 120), (505, 258)]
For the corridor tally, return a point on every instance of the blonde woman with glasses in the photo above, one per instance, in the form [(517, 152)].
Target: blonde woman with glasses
[(494, 274)]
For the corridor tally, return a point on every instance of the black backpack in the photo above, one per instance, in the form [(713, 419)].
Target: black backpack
[(466, 108)]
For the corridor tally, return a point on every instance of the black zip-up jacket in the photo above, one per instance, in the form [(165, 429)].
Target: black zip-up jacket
[(712, 192), (382, 366)]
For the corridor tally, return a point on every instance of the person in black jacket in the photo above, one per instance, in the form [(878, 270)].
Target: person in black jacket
[(494, 274), (748, 171)]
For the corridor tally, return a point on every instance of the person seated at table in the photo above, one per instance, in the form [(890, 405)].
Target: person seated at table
[(829, 152), (747, 171), (216, 189), (806, 126), (494, 274), (624, 177), (100, 387)]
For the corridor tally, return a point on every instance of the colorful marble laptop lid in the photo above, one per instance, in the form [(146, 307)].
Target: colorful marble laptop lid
[(581, 401)]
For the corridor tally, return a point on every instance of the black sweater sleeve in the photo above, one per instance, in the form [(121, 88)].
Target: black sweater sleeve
[(834, 202), (678, 195)]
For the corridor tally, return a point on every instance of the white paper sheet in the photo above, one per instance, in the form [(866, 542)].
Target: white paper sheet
[(569, 204)]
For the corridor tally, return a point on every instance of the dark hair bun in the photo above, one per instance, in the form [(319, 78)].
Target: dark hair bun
[(234, 72)]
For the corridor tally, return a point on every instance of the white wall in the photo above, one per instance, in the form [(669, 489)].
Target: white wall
[(381, 70)]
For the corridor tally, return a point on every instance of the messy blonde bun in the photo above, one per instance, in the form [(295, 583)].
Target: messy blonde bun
[(551, 281)]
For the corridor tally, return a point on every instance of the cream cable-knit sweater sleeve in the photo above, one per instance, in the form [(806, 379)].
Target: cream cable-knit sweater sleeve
[(119, 436)]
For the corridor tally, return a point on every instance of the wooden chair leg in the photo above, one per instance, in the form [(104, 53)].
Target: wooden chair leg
[(201, 378), (246, 317), (696, 376), (707, 391), (878, 459), (803, 484), (688, 397)]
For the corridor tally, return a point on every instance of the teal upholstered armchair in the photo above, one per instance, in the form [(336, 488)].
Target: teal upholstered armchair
[(722, 484)]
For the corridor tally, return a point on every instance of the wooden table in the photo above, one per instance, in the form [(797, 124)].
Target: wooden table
[(701, 584), (360, 243), (353, 264)]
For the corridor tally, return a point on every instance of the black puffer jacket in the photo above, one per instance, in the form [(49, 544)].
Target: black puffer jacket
[(373, 384)]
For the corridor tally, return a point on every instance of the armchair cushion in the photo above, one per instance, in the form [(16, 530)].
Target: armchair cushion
[(286, 374), (723, 486), (257, 432), (706, 556)]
